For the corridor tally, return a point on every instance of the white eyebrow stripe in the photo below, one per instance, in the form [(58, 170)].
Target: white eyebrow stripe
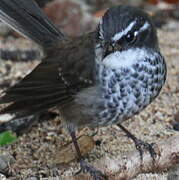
[(120, 34), (117, 36), (143, 28)]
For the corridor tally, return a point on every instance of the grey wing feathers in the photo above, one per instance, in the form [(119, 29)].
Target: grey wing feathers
[(27, 18), (55, 81), (40, 90)]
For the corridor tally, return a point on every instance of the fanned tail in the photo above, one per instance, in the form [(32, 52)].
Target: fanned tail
[(27, 18), (40, 90)]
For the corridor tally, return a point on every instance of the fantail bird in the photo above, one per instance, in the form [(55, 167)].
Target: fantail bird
[(97, 79)]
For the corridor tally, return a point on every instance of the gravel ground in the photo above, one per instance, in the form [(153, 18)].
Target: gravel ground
[(35, 151)]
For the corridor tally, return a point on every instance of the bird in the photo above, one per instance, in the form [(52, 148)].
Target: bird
[(95, 80)]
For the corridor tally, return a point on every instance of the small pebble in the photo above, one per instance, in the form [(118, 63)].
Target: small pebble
[(177, 117), (173, 174), (98, 142), (5, 161), (31, 178), (2, 177), (176, 126)]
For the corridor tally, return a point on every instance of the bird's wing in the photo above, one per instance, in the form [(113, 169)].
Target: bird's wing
[(55, 81), (27, 18)]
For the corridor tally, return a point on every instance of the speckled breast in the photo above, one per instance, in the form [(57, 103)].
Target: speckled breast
[(128, 90)]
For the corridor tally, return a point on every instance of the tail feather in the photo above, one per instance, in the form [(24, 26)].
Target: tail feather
[(42, 89), (30, 107), (22, 95), (27, 18)]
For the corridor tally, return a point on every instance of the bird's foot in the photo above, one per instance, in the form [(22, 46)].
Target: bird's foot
[(141, 146), (87, 168)]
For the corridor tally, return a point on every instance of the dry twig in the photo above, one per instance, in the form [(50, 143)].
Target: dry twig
[(129, 166)]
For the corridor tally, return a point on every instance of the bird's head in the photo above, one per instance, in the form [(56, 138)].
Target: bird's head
[(124, 33)]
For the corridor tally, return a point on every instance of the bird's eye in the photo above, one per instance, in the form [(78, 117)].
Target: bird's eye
[(130, 37)]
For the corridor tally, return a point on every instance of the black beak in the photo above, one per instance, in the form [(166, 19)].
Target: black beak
[(110, 48)]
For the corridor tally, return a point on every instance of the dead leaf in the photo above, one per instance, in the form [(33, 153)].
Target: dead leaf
[(68, 153)]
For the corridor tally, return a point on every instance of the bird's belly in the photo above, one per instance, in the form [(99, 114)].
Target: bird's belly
[(116, 98), (97, 109), (129, 92), (114, 107), (123, 104)]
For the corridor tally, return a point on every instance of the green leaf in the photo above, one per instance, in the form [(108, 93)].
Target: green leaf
[(7, 137)]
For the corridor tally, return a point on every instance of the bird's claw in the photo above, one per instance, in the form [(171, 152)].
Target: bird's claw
[(141, 146), (96, 174)]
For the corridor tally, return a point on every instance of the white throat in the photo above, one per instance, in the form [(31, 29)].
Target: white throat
[(123, 59)]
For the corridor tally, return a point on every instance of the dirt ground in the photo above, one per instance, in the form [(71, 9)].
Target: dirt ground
[(35, 151)]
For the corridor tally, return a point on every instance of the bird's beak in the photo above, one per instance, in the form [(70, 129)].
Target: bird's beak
[(118, 47), (110, 48)]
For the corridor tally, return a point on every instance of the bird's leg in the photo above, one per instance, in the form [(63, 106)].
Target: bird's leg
[(140, 145), (85, 167)]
